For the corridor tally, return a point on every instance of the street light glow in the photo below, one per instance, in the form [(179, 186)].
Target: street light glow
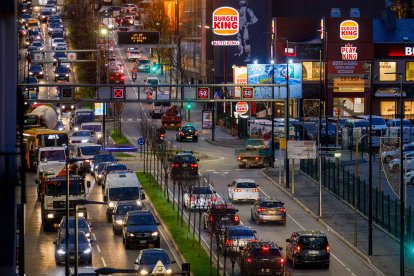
[(272, 61), (104, 31), (290, 61), (255, 61)]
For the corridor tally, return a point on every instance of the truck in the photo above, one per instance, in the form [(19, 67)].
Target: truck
[(159, 108), (255, 154), (171, 119), (80, 116), (43, 116), (121, 186), (53, 197)]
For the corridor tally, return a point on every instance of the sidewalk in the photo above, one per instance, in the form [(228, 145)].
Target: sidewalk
[(337, 217)]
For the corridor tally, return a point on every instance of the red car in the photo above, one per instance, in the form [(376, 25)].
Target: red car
[(116, 78)]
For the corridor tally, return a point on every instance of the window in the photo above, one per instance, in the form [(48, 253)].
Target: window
[(409, 71), (387, 67), (311, 71)]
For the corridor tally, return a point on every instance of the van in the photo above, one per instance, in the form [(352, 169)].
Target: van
[(95, 127), (80, 116), (379, 126), (355, 127), (86, 152), (121, 186)]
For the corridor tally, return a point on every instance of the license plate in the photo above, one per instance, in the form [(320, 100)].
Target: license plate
[(171, 124), (272, 212), (313, 252), (184, 165), (224, 218), (189, 137), (143, 241)]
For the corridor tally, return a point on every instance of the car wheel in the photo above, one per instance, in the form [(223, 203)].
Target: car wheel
[(108, 218), (251, 216)]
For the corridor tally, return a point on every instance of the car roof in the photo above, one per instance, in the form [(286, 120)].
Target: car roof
[(240, 227), (223, 206), (315, 233), (244, 180), (153, 250), (260, 244), (140, 212)]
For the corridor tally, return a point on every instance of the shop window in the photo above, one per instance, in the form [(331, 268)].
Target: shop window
[(311, 71), (386, 67), (409, 71)]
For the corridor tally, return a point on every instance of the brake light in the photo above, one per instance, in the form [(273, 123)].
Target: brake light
[(255, 190), (297, 248), (236, 218), (328, 249), (249, 260), (260, 210), (122, 77), (282, 210), (237, 190), (228, 242), (175, 165), (265, 249), (257, 158), (210, 218), (196, 133), (238, 158), (281, 260), (214, 199), (181, 133), (194, 165)]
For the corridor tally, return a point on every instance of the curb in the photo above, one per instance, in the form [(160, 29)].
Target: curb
[(364, 257)]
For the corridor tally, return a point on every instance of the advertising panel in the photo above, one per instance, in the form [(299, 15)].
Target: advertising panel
[(207, 119), (239, 77), (261, 74), (295, 79), (348, 76)]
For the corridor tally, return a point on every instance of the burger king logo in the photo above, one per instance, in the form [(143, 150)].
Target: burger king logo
[(349, 30), (225, 21)]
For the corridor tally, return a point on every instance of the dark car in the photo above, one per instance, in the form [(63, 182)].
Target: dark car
[(101, 158), (140, 229), (116, 78), (62, 73), (219, 215), (45, 14), (147, 260), (31, 80), (98, 169), (111, 167), (187, 132), (308, 247), (120, 211), (58, 32), (262, 258), (237, 237), (84, 249), (184, 166), (268, 209), (36, 70), (59, 57), (34, 35), (83, 226)]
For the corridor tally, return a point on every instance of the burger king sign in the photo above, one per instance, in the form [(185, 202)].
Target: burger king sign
[(349, 30), (225, 21)]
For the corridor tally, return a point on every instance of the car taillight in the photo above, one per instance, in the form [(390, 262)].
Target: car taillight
[(122, 77), (265, 249), (238, 158), (174, 165), (210, 218), (196, 133), (328, 249), (192, 198), (194, 165), (181, 133), (228, 242), (257, 158), (297, 249), (281, 261), (214, 199), (236, 218), (282, 210), (260, 209), (237, 190), (249, 260), (255, 190)]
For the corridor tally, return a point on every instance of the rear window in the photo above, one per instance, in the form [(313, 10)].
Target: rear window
[(266, 252), (224, 211), (310, 242), (124, 209), (185, 159), (202, 190), (271, 204), (241, 233), (246, 185), (119, 167)]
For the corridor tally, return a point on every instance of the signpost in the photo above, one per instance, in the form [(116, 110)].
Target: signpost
[(38, 56), (203, 93), (71, 56), (247, 93), (301, 149), (118, 93), (141, 142), (242, 107)]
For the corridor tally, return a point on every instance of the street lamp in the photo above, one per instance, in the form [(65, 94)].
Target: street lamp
[(287, 119), (402, 192), (105, 32)]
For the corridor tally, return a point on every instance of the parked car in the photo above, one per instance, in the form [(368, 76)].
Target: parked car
[(262, 258), (140, 229), (199, 198), (243, 190), (387, 156), (147, 260), (308, 247), (407, 158), (268, 210)]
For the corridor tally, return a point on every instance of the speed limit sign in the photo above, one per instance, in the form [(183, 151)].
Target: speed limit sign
[(203, 93), (247, 93)]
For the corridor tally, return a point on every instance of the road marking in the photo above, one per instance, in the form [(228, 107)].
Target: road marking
[(103, 261), (94, 237), (98, 248)]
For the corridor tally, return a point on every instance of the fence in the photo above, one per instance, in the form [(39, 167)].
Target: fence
[(354, 191)]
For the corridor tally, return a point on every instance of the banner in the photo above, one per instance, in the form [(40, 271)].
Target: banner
[(239, 77), (207, 119)]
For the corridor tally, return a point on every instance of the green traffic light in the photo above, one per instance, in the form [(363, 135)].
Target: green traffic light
[(154, 67), (188, 106)]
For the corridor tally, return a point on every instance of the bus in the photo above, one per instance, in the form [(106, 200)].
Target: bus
[(35, 138)]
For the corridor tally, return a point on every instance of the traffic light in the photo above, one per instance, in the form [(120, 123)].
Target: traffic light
[(154, 67), (67, 92), (188, 106)]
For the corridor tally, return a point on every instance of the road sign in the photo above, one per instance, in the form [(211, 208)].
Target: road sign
[(38, 56), (141, 141), (328, 151), (118, 93), (242, 107), (159, 268), (203, 93), (138, 38), (71, 56), (301, 149), (247, 93)]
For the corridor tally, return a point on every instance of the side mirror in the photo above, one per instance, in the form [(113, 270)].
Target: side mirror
[(142, 196), (88, 184), (105, 198), (257, 185)]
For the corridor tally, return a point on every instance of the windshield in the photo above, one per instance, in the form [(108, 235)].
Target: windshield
[(52, 155), (81, 239), (124, 193), (105, 158), (35, 67), (185, 158), (81, 133), (154, 257), (124, 209), (141, 219), (143, 61), (246, 185), (241, 233), (90, 150), (58, 187), (50, 140), (96, 128), (151, 81), (84, 117), (405, 123), (81, 223), (188, 128), (313, 242), (118, 167), (62, 69)]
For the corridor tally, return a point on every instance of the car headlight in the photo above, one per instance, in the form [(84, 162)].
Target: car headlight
[(67, 75), (30, 73), (154, 234), (61, 252), (99, 175), (76, 128), (139, 202), (119, 221), (88, 234), (87, 251), (50, 216), (143, 272), (130, 234), (169, 271), (81, 214), (111, 204), (40, 73), (99, 135), (56, 75)]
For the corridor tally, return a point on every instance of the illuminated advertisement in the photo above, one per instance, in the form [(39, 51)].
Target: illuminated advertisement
[(239, 77), (263, 73), (349, 30)]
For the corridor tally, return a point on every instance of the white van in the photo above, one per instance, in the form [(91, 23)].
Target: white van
[(121, 186), (95, 127), (85, 151)]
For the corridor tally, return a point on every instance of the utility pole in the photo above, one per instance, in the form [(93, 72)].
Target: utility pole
[(287, 120)]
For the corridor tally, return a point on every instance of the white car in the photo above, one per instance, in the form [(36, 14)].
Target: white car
[(409, 178), (395, 163), (57, 40), (199, 198), (96, 127), (83, 136), (243, 190)]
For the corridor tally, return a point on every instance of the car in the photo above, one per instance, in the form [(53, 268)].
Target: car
[(97, 127), (85, 152), (389, 155), (268, 210), (36, 70), (409, 178), (102, 157), (83, 226), (24, 8), (219, 215), (58, 58), (133, 55), (51, 6), (45, 14), (82, 136), (58, 32), (129, 8), (143, 65), (84, 247), (98, 169), (308, 247), (184, 166), (199, 198), (120, 211), (23, 19), (31, 80), (187, 132), (116, 78), (141, 229), (379, 126), (243, 190), (394, 164), (33, 24), (148, 260), (56, 24), (236, 237), (262, 258), (111, 168), (62, 73), (57, 40)]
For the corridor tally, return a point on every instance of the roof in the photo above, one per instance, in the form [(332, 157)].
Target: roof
[(35, 131), (311, 233), (244, 180), (139, 212), (403, 28)]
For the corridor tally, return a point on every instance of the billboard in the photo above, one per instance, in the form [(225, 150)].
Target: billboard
[(243, 28), (263, 74), (239, 77), (138, 38)]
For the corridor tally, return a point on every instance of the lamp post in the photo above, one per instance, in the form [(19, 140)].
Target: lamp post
[(67, 271), (105, 32), (287, 119), (402, 192), (272, 148)]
